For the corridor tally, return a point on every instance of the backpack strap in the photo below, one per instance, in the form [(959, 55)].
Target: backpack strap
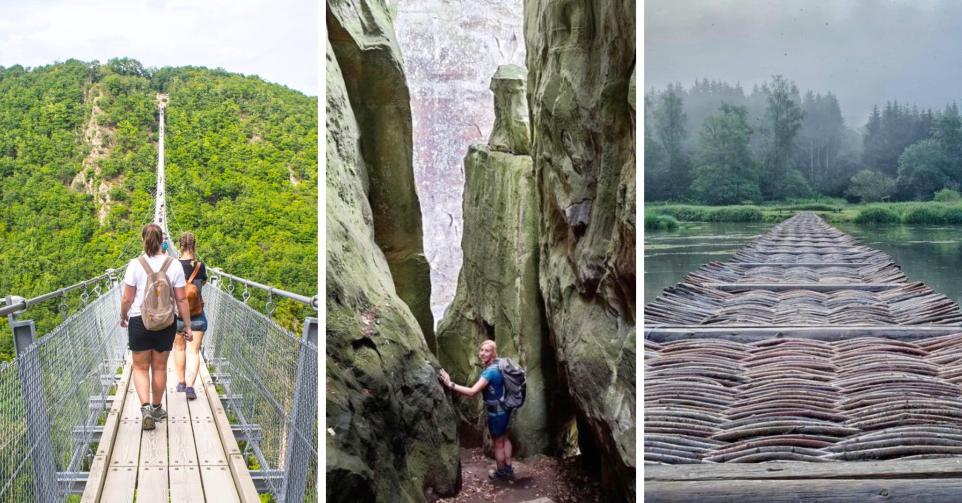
[(167, 262), (143, 263), (196, 268)]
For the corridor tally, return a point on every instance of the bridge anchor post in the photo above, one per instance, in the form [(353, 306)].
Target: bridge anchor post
[(303, 414), (46, 487)]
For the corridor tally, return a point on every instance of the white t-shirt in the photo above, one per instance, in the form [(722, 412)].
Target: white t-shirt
[(137, 276)]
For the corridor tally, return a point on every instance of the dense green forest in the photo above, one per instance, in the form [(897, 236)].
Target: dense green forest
[(78, 151), (713, 143)]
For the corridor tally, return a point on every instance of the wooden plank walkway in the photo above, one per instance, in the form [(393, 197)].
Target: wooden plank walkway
[(191, 456), (806, 368)]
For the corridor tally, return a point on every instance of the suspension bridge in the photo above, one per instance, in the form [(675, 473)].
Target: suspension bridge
[(70, 424)]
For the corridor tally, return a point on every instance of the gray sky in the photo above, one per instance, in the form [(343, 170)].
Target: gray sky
[(274, 39), (863, 51)]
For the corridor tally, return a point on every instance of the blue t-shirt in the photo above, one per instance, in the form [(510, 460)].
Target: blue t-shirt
[(495, 388)]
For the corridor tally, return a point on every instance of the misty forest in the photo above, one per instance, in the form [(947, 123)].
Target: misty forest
[(714, 143)]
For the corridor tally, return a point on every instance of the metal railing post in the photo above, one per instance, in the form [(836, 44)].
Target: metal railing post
[(303, 414), (45, 484)]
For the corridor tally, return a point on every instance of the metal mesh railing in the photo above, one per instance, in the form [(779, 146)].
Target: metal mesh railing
[(271, 376), (54, 393), (52, 396)]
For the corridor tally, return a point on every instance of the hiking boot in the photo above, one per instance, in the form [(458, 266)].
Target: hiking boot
[(508, 472), (499, 474), (191, 394), (158, 413), (181, 387), (147, 414)]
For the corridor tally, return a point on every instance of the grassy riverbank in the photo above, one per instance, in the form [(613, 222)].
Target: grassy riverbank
[(833, 211)]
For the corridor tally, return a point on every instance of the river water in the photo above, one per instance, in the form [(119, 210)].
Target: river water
[(931, 254)]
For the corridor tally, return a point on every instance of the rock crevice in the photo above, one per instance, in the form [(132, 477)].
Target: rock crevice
[(391, 432)]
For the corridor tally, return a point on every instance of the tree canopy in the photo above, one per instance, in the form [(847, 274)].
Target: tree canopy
[(78, 150), (799, 144)]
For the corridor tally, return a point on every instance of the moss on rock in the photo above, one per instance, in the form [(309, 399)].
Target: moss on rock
[(581, 57), (391, 432), (498, 296)]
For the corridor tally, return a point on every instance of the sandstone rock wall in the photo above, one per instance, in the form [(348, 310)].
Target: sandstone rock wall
[(497, 296), (390, 430), (580, 59), (362, 37)]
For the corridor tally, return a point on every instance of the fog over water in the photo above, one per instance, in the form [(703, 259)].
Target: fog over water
[(866, 52)]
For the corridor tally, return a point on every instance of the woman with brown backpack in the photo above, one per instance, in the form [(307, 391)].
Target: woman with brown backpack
[(187, 346), (151, 289)]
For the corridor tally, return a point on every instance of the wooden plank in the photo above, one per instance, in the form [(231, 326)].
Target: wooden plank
[(185, 484), (815, 287), (152, 484), (180, 438), (831, 246), (741, 333), (131, 407), (176, 401), (813, 265), (153, 445), (218, 484), (210, 451), (120, 484), (941, 467), (821, 490), (126, 449), (236, 462), (98, 468)]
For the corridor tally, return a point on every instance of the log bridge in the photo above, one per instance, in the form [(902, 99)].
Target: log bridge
[(806, 368)]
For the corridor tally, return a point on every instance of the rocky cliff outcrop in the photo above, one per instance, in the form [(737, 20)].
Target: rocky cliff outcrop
[(363, 39), (580, 61), (498, 296), (390, 430)]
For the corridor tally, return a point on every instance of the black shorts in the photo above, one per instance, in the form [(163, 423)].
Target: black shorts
[(141, 339)]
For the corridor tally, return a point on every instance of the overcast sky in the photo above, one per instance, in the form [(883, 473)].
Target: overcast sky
[(864, 51), (274, 39)]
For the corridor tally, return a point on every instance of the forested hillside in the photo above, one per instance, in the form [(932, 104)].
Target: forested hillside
[(714, 143), (78, 150)]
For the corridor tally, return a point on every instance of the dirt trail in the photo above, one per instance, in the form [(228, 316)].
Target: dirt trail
[(535, 477)]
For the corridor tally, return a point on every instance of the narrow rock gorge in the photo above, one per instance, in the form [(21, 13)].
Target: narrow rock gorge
[(497, 295), (548, 257), (391, 433), (580, 59)]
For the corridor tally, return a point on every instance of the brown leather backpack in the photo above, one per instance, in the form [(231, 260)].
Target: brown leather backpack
[(194, 300)]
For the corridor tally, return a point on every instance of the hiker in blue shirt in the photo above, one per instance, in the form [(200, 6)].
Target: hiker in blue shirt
[(491, 383)]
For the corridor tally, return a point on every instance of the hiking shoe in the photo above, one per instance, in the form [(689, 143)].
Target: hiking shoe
[(508, 472), (498, 474), (147, 414), (158, 413), (181, 387), (191, 394)]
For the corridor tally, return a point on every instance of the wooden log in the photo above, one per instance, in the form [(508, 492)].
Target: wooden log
[(743, 333), (821, 490), (892, 469), (815, 287)]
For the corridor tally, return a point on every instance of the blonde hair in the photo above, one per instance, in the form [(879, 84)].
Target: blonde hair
[(489, 342)]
